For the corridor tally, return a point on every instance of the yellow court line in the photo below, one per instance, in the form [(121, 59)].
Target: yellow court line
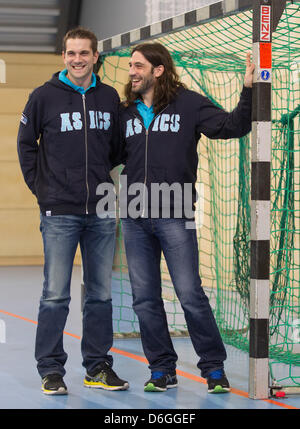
[(144, 360)]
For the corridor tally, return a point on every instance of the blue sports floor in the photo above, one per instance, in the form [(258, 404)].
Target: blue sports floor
[(20, 384)]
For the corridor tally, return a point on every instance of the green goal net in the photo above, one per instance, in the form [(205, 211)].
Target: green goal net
[(210, 59)]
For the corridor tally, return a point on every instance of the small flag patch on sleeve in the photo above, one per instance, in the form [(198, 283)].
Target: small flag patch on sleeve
[(24, 119)]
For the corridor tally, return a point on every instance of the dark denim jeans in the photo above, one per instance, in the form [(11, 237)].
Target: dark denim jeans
[(145, 239), (61, 236)]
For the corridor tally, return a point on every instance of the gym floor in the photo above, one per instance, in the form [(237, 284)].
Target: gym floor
[(20, 384)]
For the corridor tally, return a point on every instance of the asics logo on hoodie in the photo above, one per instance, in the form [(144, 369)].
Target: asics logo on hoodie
[(163, 122), (74, 121)]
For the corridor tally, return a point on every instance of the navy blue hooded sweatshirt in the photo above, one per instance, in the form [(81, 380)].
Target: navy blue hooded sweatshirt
[(166, 152), (67, 144)]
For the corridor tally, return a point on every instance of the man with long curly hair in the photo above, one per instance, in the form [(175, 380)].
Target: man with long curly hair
[(161, 123)]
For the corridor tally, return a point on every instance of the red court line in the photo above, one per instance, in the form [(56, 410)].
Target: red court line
[(178, 371)]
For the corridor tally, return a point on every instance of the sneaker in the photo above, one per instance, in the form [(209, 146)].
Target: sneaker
[(53, 384), (103, 377), (161, 381), (217, 382)]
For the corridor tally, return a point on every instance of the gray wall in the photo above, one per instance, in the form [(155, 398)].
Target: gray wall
[(108, 18)]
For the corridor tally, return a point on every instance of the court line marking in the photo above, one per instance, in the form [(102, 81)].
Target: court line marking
[(144, 360)]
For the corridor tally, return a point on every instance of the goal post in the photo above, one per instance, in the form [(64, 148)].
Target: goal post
[(266, 14), (249, 208)]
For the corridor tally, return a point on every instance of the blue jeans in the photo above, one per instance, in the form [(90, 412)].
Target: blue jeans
[(61, 236), (145, 239)]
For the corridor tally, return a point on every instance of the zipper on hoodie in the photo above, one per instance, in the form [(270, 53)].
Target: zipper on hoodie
[(146, 169), (146, 153), (86, 155)]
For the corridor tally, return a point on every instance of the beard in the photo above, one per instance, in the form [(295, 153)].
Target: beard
[(144, 85)]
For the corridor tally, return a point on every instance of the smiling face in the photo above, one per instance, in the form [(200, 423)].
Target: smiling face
[(79, 60), (141, 74)]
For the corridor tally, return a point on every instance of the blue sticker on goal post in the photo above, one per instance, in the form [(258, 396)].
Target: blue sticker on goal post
[(265, 75)]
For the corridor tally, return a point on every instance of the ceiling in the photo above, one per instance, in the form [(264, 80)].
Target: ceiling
[(36, 25)]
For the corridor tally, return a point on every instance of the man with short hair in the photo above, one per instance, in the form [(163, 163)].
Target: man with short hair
[(161, 123), (75, 119)]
